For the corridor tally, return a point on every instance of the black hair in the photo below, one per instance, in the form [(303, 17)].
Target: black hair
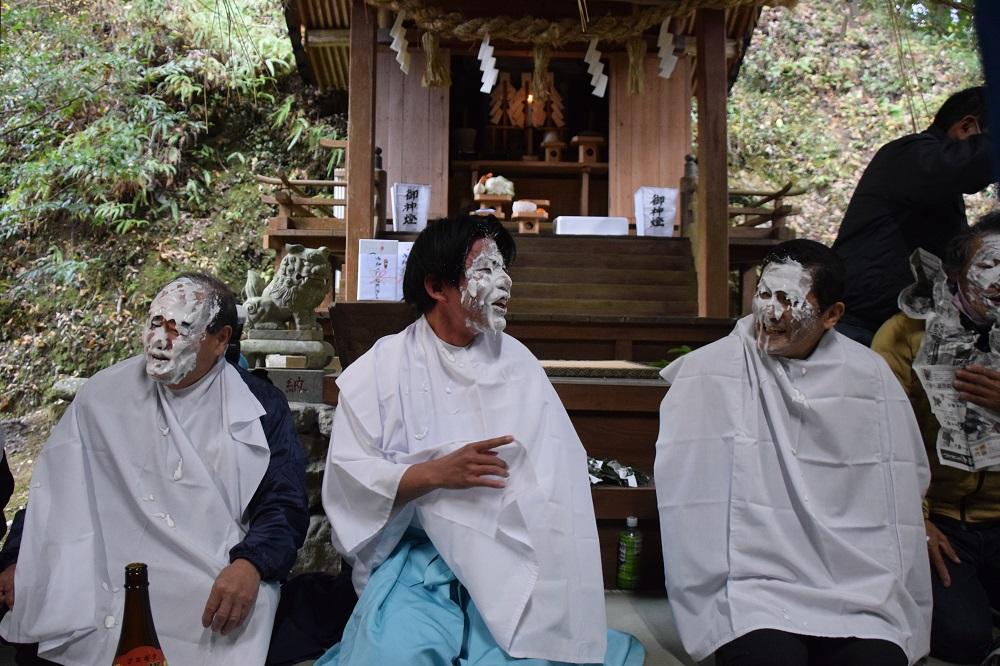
[(440, 251), (959, 250), (824, 266), (968, 102), (224, 298)]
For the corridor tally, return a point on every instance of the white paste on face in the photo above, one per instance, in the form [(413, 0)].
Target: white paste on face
[(983, 277), (486, 290), (184, 306), (781, 309)]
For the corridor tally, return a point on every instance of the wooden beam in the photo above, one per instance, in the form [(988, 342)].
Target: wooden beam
[(324, 38), (712, 222), (361, 134)]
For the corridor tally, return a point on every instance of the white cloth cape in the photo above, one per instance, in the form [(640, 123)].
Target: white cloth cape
[(528, 554), (789, 494), (119, 481)]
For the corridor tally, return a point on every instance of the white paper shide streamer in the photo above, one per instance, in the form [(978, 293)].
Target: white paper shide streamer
[(598, 79), (399, 44), (665, 46), (487, 65)]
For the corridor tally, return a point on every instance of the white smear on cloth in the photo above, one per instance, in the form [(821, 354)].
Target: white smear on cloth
[(179, 470), (166, 517)]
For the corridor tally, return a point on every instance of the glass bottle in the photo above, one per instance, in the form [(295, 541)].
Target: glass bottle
[(138, 644)]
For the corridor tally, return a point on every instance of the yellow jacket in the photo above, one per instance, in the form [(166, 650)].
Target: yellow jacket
[(955, 493)]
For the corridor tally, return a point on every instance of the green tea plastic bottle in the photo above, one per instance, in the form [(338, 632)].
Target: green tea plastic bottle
[(629, 549)]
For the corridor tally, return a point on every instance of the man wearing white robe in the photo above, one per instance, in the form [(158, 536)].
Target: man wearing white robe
[(789, 473), (456, 486), (169, 458)]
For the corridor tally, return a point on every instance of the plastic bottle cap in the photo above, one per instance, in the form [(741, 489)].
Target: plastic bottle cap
[(631, 521)]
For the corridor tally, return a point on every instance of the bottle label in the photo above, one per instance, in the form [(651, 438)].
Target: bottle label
[(142, 656), (629, 548)]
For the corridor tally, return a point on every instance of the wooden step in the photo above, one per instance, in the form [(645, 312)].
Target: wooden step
[(627, 338), (641, 292), (585, 306), (536, 259), (600, 276), (593, 245)]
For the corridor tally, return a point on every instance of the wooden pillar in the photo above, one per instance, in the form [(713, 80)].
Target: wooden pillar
[(360, 141), (712, 221)]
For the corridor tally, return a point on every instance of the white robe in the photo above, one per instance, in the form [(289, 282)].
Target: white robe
[(122, 479), (789, 494), (528, 554)]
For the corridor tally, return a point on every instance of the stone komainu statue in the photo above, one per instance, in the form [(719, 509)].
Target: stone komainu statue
[(303, 280)]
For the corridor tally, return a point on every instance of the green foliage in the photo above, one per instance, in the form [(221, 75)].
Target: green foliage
[(129, 133), (822, 88), (98, 116)]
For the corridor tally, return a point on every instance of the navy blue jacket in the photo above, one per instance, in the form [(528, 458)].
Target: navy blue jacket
[(278, 513)]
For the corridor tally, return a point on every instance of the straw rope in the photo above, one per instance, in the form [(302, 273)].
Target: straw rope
[(528, 29)]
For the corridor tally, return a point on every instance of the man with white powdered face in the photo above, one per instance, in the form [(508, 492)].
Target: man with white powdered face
[(174, 458), (944, 348), (789, 473), (456, 485)]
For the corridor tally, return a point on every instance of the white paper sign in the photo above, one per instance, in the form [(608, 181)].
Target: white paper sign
[(655, 210), (402, 255), (410, 204), (378, 263)]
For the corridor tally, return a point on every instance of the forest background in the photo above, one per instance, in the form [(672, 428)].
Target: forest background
[(129, 133)]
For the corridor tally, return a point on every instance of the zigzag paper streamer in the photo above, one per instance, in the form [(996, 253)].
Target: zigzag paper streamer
[(399, 43), (598, 79), (665, 44), (488, 65)]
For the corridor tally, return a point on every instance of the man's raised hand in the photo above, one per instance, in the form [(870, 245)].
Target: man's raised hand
[(468, 467), (471, 465)]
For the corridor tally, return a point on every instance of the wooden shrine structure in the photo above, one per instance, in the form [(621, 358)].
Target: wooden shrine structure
[(605, 299)]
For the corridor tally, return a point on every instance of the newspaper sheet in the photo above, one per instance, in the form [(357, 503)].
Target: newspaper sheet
[(969, 437)]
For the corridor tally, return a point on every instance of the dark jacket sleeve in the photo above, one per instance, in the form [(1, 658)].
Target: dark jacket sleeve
[(278, 513), (12, 545), (934, 166)]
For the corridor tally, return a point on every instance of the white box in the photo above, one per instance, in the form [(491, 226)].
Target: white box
[(581, 225)]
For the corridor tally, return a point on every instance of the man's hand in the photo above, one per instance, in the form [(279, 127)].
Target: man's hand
[(979, 385), (7, 586), (938, 547), (232, 597), (468, 467)]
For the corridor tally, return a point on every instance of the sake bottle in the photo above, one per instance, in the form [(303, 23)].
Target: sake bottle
[(629, 548), (138, 644)]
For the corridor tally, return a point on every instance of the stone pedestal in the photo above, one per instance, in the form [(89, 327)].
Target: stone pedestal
[(313, 423), (308, 343), (299, 385)]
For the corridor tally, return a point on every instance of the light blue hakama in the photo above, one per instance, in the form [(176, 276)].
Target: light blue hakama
[(415, 612)]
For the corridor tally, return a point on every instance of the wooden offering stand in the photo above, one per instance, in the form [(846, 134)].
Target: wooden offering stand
[(530, 223), (494, 201)]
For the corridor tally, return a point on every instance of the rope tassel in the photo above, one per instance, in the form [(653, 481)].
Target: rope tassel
[(539, 88), (437, 73), (636, 48)]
